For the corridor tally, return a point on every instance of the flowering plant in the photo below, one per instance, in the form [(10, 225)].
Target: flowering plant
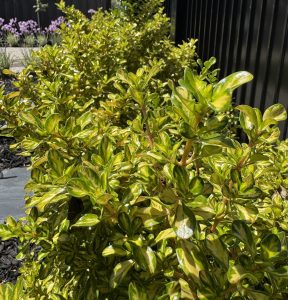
[(11, 27), (29, 27), (27, 32)]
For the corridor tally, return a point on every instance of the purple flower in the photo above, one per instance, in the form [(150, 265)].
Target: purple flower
[(28, 27), (91, 11), (11, 27), (55, 25)]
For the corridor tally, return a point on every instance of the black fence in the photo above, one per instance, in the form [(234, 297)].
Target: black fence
[(247, 35), (23, 9)]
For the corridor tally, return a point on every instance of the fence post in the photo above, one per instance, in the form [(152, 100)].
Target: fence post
[(173, 18)]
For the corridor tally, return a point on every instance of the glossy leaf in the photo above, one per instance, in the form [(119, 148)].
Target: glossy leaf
[(135, 292), (236, 273), (196, 185), (52, 123), (181, 177), (77, 188), (87, 220), (249, 116), (146, 258), (222, 91), (241, 230), (111, 250), (188, 260), (275, 112), (165, 234), (119, 272), (270, 246), (218, 249)]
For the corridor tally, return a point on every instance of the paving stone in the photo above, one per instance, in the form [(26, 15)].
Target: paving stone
[(12, 192)]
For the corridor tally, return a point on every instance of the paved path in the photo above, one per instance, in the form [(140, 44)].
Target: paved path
[(12, 192), (17, 54)]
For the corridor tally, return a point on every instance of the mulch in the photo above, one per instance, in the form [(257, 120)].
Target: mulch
[(9, 265)]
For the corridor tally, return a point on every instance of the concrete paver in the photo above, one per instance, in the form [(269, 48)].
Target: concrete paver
[(12, 192)]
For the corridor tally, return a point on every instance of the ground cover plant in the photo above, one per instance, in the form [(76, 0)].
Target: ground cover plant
[(140, 188)]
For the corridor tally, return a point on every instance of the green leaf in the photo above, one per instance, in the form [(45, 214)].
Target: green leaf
[(219, 141), (6, 291), (113, 250), (199, 88), (257, 158), (119, 272), (196, 186), (13, 94), (209, 150), (52, 196), (85, 119), (136, 225), (186, 130), (52, 123), (184, 106), (8, 72), (18, 289), (249, 115), (186, 290), (232, 82), (106, 149), (222, 91), (270, 246), (181, 176), (189, 259), (281, 272), (124, 222), (30, 118), (5, 233), (87, 220), (236, 273), (218, 249), (257, 295), (165, 235), (243, 233), (137, 95), (275, 112), (136, 293), (56, 161), (77, 188), (146, 258), (247, 213)]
